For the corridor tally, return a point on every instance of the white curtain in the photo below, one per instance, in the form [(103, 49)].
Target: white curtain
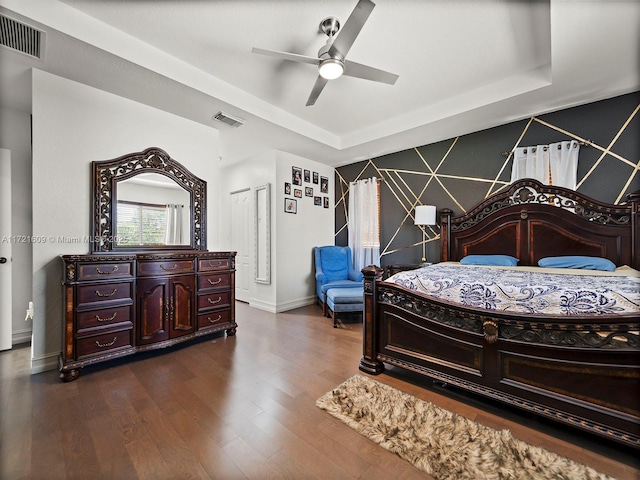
[(174, 224), (364, 230), (553, 164)]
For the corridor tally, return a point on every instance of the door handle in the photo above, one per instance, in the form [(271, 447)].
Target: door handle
[(3, 259)]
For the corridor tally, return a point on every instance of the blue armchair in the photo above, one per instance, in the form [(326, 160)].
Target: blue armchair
[(334, 270)]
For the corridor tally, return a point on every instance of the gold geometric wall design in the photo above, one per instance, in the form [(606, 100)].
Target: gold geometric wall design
[(453, 174)]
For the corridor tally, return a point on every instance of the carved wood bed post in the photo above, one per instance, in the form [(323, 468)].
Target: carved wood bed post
[(634, 200), (368, 362), (445, 226)]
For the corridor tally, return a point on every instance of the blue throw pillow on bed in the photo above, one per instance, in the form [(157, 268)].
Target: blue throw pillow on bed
[(492, 260), (576, 261)]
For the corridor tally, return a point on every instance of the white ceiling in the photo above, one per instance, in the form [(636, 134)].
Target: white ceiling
[(463, 65)]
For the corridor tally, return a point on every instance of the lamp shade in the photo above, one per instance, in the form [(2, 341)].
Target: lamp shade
[(425, 215)]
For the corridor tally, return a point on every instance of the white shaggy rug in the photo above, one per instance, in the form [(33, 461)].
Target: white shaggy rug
[(441, 443)]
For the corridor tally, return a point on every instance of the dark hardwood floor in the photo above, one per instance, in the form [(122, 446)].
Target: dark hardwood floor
[(233, 408)]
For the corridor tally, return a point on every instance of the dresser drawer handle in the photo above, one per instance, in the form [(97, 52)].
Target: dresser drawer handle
[(214, 283), (216, 264), (100, 294), (216, 320), (115, 269), (175, 265), (213, 302), (112, 317), (102, 345)]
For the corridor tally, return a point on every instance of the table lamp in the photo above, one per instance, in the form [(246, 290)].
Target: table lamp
[(425, 215)]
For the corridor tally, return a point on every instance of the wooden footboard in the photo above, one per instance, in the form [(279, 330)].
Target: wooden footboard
[(579, 372)]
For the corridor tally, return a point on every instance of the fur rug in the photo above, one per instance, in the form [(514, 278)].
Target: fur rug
[(441, 443)]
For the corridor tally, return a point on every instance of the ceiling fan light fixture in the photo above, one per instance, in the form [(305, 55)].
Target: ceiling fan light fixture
[(331, 68)]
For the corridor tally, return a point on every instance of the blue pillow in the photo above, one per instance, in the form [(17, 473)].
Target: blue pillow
[(499, 260), (576, 261)]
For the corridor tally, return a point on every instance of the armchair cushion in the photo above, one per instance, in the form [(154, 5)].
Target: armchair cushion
[(334, 263), (339, 284), (334, 269)]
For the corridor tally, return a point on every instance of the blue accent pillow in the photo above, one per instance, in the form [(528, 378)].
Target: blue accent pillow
[(577, 261), (492, 260)]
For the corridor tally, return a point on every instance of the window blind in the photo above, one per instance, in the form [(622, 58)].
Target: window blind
[(141, 224)]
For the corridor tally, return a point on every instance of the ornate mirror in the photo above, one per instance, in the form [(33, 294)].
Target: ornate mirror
[(263, 234), (147, 201)]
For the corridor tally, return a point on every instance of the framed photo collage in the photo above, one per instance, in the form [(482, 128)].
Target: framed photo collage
[(313, 185)]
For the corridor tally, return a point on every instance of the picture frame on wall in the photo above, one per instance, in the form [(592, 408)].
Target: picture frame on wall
[(315, 177), (326, 202), (297, 192), (287, 188), (290, 205), (307, 176), (324, 185), (308, 191), (296, 175), (317, 201)]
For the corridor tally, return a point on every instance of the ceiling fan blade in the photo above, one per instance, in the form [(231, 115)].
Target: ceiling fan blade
[(358, 70), (317, 88), (348, 33), (294, 57)]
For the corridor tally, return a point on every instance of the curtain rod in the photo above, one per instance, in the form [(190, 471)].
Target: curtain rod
[(586, 143), (377, 180)]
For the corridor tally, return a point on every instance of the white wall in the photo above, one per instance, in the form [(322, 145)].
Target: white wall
[(292, 236), (297, 234), (15, 135), (73, 125), (249, 174)]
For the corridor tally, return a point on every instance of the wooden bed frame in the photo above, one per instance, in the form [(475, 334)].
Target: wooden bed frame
[(583, 371)]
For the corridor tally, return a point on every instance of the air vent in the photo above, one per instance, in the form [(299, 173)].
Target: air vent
[(228, 119), (20, 37)]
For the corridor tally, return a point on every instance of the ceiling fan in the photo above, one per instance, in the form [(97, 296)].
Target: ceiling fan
[(331, 60)]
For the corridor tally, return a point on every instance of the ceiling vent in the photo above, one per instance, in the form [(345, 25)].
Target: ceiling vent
[(20, 37), (228, 119)]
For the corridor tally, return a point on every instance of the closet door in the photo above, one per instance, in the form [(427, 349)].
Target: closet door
[(5, 250), (242, 242)]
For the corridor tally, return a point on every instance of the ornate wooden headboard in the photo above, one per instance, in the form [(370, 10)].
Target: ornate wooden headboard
[(530, 221)]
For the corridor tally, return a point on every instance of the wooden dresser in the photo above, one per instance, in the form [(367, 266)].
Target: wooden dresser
[(119, 304)]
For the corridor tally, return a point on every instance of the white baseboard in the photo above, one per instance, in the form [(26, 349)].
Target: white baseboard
[(301, 302), (44, 363), (267, 307), (282, 307), (20, 336)]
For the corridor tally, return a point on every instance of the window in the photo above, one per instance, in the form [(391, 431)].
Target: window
[(364, 222), (141, 224)]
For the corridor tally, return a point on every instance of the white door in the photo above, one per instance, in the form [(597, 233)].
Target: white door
[(5, 249), (242, 242)]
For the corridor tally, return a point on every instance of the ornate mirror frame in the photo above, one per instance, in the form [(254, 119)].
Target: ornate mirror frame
[(106, 175)]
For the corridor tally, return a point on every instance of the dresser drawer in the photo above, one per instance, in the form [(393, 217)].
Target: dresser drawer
[(104, 292), (212, 264), (213, 300), (164, 267), (105, 271), (106, 342), (206, 320), (213, 280), (105, 317)]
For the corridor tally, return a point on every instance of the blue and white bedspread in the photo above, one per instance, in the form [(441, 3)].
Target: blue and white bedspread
[(534, 290)]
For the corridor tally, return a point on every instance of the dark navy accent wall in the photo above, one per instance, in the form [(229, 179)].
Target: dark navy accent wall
[(460, 172)]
